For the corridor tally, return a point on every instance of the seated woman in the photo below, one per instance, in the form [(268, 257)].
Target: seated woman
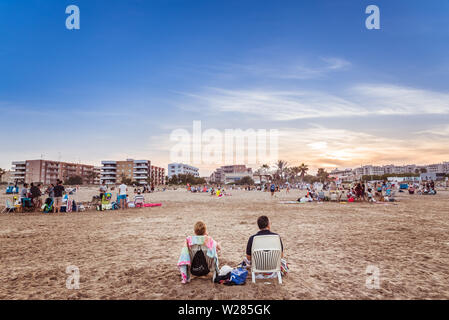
[(203, 259)]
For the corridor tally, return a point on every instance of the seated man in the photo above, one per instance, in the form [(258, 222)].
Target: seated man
[(264, 229), (264, 225), (25, 197)]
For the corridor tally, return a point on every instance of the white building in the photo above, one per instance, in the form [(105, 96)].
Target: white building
[(19, 171), (236, 177), (230, 174), (438, 168), (181, 168), (342, 174)]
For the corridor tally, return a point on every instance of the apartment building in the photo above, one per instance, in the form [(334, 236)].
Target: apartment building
[(230, 174), (342, 174), (157, 175), (47, 171), (438, 168), (181, 168), (140, 171), (97, 174)]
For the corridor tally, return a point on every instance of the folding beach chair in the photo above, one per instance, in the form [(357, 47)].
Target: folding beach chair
[(48, 205), (211, 262), (139, 202), (27, 205), (10, 207), (266, 255), (333, 196)]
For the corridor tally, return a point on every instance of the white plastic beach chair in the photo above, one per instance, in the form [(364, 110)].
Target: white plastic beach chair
[(266, 255), (9, 207)]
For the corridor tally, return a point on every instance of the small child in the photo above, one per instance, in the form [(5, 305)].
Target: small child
[(139, 199), (370, 196)]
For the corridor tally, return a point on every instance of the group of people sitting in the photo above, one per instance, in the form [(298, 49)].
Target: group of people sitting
[(32, 198), (427, 188), (189, 261), (123, 199), (359, 192)]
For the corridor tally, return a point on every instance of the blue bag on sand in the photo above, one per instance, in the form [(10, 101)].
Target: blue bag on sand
[(238, 276)]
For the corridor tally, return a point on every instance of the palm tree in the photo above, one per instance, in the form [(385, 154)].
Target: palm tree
[(282, 166), (322, 174), (294, 171), (303, 168)]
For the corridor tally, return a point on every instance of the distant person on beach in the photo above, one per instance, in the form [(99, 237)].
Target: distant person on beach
[(139, 199), (123, 189), (24, 192), (58, 191), (36, 195), (272, 189), (103, 190), (264, 225), (24, 199), (51, 191)]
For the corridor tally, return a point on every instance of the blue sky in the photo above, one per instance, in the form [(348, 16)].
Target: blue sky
[(340, 94)]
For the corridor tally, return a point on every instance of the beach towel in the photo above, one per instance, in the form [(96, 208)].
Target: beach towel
[(149, 205), (184, 258)]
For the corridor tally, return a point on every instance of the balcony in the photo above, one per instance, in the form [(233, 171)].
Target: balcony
[(109, 162), (109, 167), (141, 167), (140, 177), (108, 171), (108, 177)]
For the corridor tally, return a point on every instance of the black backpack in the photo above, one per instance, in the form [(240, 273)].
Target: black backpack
[(199, 265)]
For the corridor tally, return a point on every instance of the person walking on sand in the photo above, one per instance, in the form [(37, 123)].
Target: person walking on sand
[(272, 189), (123, 189)]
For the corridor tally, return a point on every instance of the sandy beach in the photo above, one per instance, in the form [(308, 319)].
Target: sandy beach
[(132, 254)]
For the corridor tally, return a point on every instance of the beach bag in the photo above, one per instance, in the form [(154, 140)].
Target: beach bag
[(238, 276), (199, 265)]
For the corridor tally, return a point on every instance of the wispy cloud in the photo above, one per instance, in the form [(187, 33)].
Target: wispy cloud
[(296, 70), (321, 146), (360, 100), (324, 147)]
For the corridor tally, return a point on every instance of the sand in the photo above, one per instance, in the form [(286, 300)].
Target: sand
[(132, 254)]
